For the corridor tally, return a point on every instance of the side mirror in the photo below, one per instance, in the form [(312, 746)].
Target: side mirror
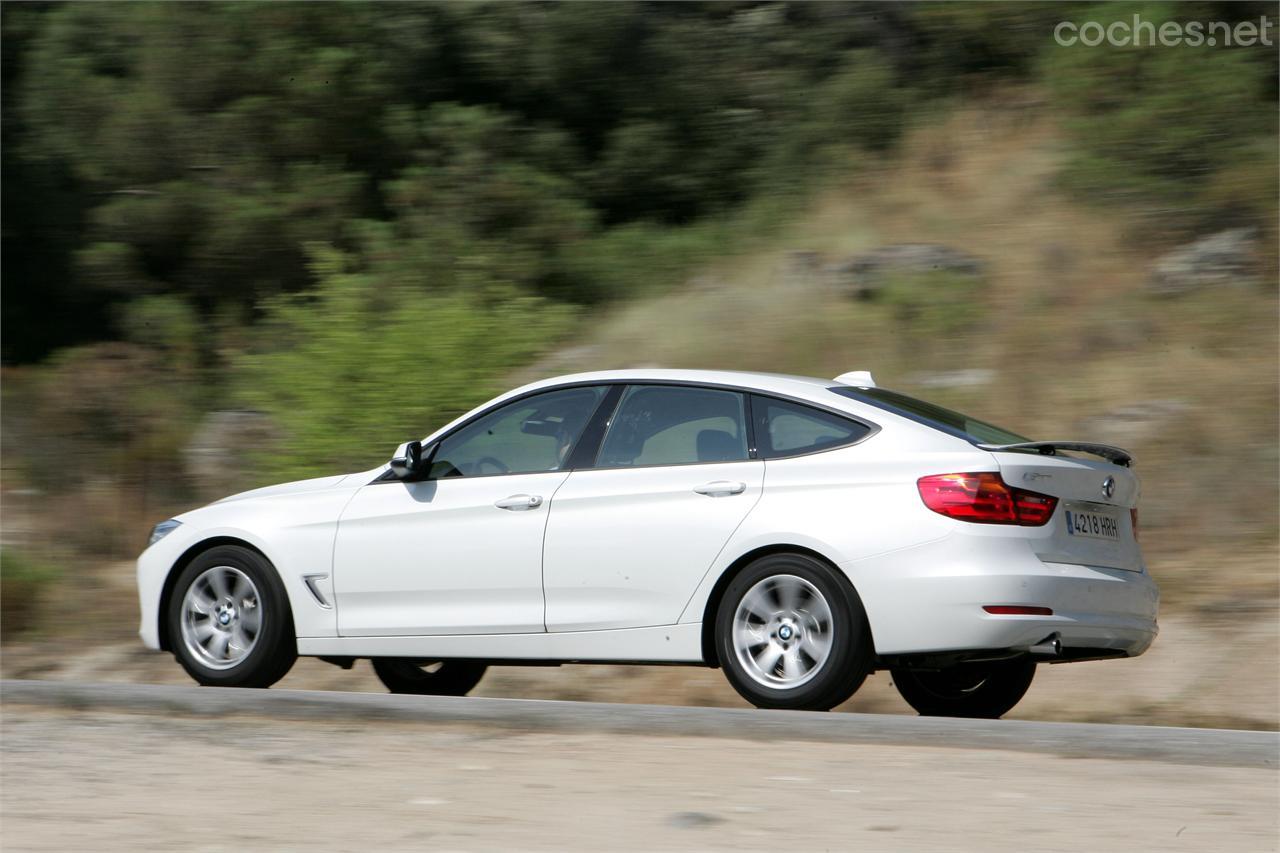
[(409, 461)]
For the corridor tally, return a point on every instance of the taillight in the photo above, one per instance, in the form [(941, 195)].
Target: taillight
[(1133, 516), (984, 498)]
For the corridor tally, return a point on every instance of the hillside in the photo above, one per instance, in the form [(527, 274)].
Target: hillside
[(1059, 335)]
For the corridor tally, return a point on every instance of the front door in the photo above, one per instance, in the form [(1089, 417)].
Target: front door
[(460, 552)]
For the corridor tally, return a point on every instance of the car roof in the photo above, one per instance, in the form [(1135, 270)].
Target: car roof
[(804, 388), (809, 387)]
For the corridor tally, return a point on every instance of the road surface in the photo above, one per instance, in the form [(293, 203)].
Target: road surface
[(126, 767)]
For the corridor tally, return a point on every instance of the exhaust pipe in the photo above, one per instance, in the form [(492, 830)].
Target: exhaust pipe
[(1048, 648)]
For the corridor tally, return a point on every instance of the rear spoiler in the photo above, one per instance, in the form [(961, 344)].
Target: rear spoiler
[(1051, 448)]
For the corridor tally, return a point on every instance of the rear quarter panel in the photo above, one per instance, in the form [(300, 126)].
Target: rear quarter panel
[(849, 504)]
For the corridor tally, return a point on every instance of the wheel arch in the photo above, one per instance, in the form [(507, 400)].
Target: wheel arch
[(171, 579), (709, 655)]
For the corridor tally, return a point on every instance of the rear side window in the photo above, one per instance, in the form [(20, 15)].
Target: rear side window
[(791, 429), (669, 425), (953, 423)]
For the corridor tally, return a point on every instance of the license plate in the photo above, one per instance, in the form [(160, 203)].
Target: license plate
[(1093, 525)]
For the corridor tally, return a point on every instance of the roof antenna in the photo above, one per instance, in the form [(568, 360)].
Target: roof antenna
[(857, 378)]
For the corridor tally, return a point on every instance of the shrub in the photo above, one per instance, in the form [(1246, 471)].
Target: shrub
[(23, 584), (361, 364), (930, 304)]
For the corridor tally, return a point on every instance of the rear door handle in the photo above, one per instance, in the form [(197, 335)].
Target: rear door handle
[(516, 502), (721, 488)]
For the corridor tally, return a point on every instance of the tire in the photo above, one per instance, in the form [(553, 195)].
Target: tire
[(773, 624), (986, 690), (427, 677), (229, 620)]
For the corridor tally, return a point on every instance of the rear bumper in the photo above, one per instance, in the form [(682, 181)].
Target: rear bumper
[(929, 599)]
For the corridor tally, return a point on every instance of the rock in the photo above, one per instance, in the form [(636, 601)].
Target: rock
[(1226, 258), (1114, 332), (862, 276), (801, 266), (968, 378), (1131, 424), (693, 820), (219, 458)]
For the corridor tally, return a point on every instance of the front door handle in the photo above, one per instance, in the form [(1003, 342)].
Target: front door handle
[(519, 502), (721, 488)]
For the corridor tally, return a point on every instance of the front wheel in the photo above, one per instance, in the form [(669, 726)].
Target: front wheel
[(790, 633), (428, 678), (986, 690), (229, 620)]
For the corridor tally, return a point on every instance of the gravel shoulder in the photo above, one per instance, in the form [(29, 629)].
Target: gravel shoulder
[(79, 780)]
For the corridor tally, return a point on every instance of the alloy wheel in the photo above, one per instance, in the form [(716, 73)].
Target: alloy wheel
[(782, 631), (221, 617)]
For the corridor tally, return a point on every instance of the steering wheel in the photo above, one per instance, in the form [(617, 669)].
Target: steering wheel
[(489, 460)]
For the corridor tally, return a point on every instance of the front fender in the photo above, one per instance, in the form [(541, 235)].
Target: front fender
[(295, 532)]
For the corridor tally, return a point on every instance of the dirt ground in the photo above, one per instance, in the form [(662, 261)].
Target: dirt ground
[(106, 782)]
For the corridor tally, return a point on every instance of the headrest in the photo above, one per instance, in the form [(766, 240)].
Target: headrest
[(716, 445)]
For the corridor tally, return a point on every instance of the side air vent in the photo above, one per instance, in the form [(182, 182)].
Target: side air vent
[(312, 582)]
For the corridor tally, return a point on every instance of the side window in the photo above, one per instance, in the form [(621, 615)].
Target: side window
[(790, 429), (523, 437), (671, 425)]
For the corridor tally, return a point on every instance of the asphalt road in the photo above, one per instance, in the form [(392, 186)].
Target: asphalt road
[(128, 767)]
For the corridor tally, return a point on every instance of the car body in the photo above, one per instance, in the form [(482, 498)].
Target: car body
[(602, 516)]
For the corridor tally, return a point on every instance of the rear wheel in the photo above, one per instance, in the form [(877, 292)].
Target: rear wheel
[(428, 677), (986, 690), (790, 633), (229, 620)]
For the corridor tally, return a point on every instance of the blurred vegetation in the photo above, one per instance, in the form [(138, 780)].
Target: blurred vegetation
[(1179, 136), (427, 352), (361, 219), (197, 150), (23, 584), (934, 305)]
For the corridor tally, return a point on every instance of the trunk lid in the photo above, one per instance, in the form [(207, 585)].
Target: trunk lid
[(1092, 523)]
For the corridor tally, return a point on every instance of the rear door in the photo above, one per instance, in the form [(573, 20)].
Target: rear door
[(630, 538), (1093, 523)]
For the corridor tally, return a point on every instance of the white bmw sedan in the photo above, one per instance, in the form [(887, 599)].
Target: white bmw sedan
[(798, 533)]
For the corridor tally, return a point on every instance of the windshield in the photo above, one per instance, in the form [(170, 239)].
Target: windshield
[(961, 426)]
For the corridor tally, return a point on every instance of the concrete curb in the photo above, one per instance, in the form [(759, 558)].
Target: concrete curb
[(1220, 747)]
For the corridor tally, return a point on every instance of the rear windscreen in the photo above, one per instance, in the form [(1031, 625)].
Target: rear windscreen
[(961, 426)]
